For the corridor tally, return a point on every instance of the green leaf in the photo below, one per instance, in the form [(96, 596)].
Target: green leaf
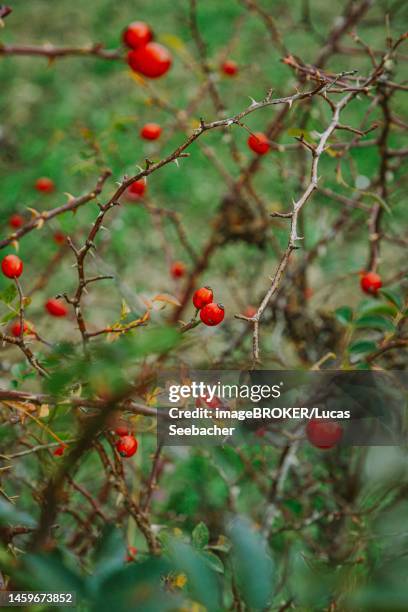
[(228, 462), (379, 597), (8, 317), (375, 322), (109, 554), (202, 582), (106, 366), (344, 315), (137, 586), (362, 347), (51, 569), (373, 308), (9, 294), (393, 297), (223, 544), (200, 535), (253, 565), (213, 561)]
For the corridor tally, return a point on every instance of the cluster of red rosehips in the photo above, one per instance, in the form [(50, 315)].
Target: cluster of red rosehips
[(151, 59), (127, 443), (210, 313), (146, 57)]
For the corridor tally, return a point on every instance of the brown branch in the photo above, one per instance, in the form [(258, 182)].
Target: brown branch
[(151, 483), (20, 341), (73, 204), (389, 346), (51, 52), (269, 23), (204, 65), (293, 237)]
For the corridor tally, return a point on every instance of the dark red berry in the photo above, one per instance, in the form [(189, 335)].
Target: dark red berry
[(56, 308), (323, 434), (178, 269), (59, 237), (16, 221), (202, 297), (59, 450), (259, 143), (370, 282), (12, 266), (127, 446), (136, 34), (44, 184), (261, 432), (151, 131), (151, 60), (212, 314), (229, 67)]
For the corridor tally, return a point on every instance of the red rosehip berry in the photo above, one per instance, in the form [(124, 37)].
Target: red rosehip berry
[(178, 269), (151, 60), (15, 329), (259, 143), (323, 434), (202, 297), (131, 554), (56, 308), (59, 450), (127, 446), (370, 282), (136, 34), (122, 430), (250, 311), (229, 67), (136, 190), (59, 237), (261, 432), (151, 131), (12, 266), (16, 221), (212, 314), (44, 184)]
